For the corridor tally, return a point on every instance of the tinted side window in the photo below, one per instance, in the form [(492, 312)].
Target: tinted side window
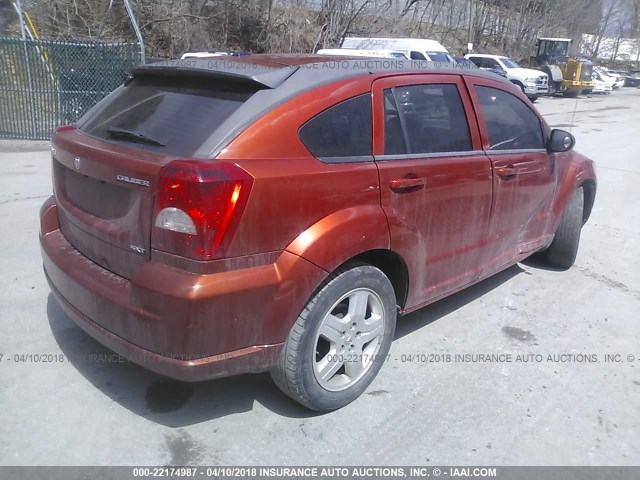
[(417, 56), (491, 63), (433, 119), (394, 141), (510, 122), (343, 130), (474, 60)]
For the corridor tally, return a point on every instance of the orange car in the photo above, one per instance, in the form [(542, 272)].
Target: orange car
[(228, 215)]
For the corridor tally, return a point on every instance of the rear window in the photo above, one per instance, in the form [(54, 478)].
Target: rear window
[(166, 115)]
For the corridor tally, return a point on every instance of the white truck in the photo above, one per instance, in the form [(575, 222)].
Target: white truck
[(533, 83), (413, 48)]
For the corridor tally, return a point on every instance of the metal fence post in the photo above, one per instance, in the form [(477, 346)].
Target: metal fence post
[(134, 23), (32, 106)]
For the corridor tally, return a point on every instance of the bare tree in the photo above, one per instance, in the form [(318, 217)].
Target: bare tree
[(336, 19), (608, 16), (7, 15), (171, 27)]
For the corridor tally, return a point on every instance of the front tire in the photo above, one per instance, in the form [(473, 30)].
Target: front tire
[(340, 340), (564, 248)]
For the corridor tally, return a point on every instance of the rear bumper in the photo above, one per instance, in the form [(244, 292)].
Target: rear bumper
[(183, 325), (246, 360)]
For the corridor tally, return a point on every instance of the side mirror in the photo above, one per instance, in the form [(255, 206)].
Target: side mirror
[(560, 141)]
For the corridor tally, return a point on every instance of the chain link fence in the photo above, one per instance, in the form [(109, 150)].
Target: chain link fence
[(47, 83)]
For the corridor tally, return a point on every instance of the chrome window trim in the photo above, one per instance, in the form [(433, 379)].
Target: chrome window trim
[(516, 150), (415, 156), (355, 159)]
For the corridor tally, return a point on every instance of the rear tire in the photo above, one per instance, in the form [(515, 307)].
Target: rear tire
[(340, 340), (564, 248)]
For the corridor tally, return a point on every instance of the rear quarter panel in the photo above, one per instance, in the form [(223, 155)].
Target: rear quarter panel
[(325, 212)]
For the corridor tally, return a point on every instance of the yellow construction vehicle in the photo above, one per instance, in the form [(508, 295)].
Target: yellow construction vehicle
[(567, 75)]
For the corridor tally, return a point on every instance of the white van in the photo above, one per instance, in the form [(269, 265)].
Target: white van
[(413, 48), (354, 52)]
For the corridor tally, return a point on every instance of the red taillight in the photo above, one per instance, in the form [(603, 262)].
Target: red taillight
[(65, 128), (197, 203)]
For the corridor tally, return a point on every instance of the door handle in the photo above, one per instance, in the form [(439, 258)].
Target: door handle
[(407, 184), (507, 173)]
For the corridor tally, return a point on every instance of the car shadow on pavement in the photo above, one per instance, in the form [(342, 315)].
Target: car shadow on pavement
[(177, 404), (157, 398), (429, 314), (538, 261)]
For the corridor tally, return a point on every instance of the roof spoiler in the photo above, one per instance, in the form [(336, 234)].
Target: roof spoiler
[(247, 73)]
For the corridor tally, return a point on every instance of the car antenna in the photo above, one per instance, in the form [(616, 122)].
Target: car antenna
[(575, 107)]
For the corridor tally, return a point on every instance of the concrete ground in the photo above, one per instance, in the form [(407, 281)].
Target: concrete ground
[(555, 411)]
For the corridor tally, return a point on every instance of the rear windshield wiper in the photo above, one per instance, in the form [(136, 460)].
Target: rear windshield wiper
[(135, 136)]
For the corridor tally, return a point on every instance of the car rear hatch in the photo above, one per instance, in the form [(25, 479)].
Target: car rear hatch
[(105, 199), (106, 171)]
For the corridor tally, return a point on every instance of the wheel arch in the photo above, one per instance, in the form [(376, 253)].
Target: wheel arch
[(579, 174), (344, 234), (589, 188), (393, 266), (387, 261)]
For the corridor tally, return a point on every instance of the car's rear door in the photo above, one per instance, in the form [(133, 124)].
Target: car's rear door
[(435, 180), (524, 177)]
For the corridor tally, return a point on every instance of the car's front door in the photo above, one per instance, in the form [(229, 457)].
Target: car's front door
[(435, 180), (524, 172)]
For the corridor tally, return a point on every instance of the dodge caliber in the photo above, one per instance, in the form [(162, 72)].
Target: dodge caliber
[(277, 213)]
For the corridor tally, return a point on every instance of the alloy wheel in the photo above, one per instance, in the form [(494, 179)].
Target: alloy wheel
[(349, 337)]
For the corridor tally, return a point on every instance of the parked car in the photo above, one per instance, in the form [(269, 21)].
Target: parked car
[(533, 83), (413, 48), (276, 213), (602, 84), (354, 52), (632, 80), (616, 80), (469, 64)]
